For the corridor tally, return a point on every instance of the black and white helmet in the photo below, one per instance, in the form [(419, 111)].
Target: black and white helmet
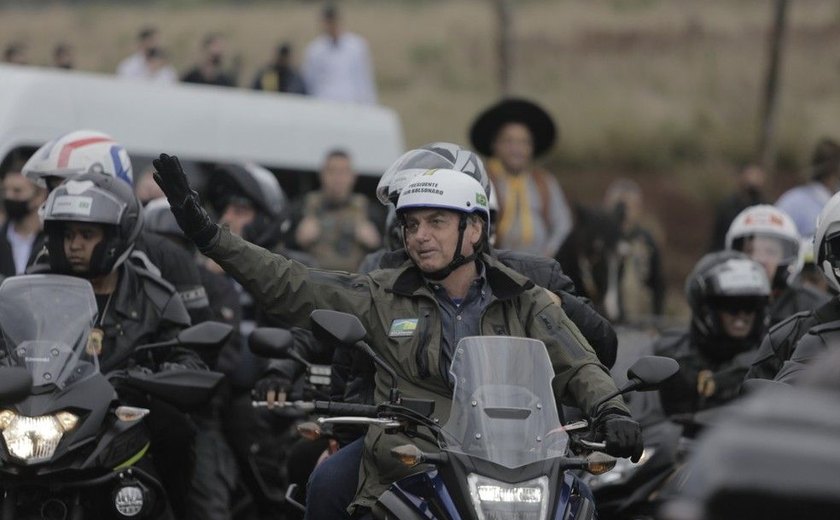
[(94, 198), (726, 280), (444, 156)]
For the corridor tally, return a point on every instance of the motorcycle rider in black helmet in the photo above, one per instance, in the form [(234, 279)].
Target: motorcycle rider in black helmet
[(92, 222), (728, 295)]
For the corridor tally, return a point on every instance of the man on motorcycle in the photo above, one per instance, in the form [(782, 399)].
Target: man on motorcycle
[(727, 293), (92, 223), (415, 314), (335, 483)]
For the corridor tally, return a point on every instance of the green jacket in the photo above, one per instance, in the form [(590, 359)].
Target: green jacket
[(518, 308)]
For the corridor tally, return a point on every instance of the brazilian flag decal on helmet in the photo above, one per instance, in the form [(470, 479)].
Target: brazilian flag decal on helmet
[(481, 199)]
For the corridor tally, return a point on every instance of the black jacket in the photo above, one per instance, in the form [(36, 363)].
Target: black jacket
[(681, 393), (819, 340), (778, 344), (7, 261), (144, 309)]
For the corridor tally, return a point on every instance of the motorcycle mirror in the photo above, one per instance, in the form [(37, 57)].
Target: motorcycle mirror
[(185, 389), (15, 384), (205, 334), (338, 326), (649, 371), (271, 342)]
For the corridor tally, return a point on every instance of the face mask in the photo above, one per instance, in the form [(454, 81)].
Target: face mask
[(216, 59), (16, 210)]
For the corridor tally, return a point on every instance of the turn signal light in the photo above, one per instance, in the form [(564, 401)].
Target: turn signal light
[(598, 463), (409, 454), (309, 431)]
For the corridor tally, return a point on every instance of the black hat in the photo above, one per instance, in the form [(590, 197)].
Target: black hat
[(486, 126)]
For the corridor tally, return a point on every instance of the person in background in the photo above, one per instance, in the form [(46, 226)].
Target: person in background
[(280, 75), (534, 216), (749, 191), (63, 56), (335, 224), (641, 281), (337, 64), (210, 70), (135, 65), (21, 236), (804, 202), (15, 53)]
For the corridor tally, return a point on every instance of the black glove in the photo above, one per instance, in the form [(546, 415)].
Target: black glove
[(271, 382), (184, 201), (622, 434)]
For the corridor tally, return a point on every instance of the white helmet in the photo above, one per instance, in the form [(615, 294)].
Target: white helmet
[(76, 153), (446, 189), (827, 241), (774, 228), (434, 155)]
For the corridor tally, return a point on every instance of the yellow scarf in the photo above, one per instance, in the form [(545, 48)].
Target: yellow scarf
[(516, 205)]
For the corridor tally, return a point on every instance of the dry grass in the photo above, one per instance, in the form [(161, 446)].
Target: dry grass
[(665, 91)]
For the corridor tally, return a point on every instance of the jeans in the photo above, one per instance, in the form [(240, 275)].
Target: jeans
[(332, 486)]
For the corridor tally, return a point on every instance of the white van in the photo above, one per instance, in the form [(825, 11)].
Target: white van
[(288, 134)]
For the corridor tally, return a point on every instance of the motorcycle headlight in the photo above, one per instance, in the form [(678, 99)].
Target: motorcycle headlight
[(34, 439), (495, 500)]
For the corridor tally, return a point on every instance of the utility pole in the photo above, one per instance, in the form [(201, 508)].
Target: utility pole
[(770, 100), (504, 17)]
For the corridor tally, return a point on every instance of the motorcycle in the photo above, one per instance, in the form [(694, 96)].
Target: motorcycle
[(71, 448), (503, 452)]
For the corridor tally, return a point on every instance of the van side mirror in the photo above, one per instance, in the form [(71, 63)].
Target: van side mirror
[(270, 342), (337, 326)]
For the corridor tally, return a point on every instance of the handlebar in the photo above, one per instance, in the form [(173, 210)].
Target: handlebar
[(364, 421), (324, 407)]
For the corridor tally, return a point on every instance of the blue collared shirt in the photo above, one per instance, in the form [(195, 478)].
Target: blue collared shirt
[(460, 319)]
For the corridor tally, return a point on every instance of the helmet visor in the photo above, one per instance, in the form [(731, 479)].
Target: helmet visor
[(404, 169), (832, 249), (768, 249), (92, 205)]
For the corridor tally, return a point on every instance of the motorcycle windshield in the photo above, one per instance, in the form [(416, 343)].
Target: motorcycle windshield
[(503, 407), (46, 322)]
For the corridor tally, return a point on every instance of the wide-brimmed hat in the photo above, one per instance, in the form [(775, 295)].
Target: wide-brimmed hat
[(486, 126)]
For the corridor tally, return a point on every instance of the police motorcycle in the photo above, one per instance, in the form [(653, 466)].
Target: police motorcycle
[(71, 449), (504, 453)]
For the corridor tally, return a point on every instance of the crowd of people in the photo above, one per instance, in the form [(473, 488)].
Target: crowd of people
[(336, 65), (464, 243)]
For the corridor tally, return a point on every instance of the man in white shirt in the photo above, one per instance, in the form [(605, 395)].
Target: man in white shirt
[(337, 64), (148, 62)]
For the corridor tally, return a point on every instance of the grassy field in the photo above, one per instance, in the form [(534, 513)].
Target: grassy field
[(665, 92)]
